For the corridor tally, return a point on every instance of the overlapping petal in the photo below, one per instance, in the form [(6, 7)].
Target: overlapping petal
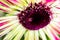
[(9, 25)]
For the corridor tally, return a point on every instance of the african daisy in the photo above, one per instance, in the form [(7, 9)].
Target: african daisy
[(29, 20)]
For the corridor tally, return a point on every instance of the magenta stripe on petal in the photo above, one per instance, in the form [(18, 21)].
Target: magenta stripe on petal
[(12, 1), (57, 29), (50, 1), (55, 36), (3, 10), (58, 7), (3, 23), (9, 1), (1, 3)]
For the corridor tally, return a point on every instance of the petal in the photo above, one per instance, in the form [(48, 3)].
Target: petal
[(11, 8), (13, 1), (49, 33), (33, 1), (11, 34), (50, 1), (54, 33), (20, 33), (29, 35), (3, 23), (7, 30), (55, 10), (56, 27), (42, 34), (8, 24), (1, 3), (26, 36), (36, 36), (54, 4), (37, 1)]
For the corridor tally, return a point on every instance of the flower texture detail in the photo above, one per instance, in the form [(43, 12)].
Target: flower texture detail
[(29, 20)]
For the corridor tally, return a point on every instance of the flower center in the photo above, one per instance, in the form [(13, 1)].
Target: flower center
[(35, 16)]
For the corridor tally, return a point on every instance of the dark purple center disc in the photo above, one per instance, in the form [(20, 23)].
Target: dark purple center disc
[(35, 16)]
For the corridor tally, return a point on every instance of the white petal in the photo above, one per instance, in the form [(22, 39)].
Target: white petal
[(6, 20), (20, 33), (12, 22), (37, 1), (33, 1), (55, 10), (11, 34), (29, 35), (54, 4), (56, 27), (49, 34), (8, 17), (8, 29), (54, 33), (36, 36), (26, 35), (42, 35), (56, 19)]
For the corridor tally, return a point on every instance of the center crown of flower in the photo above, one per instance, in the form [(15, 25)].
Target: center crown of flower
[(35, 16)]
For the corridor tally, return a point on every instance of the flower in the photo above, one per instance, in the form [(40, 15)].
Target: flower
[(30, 20)]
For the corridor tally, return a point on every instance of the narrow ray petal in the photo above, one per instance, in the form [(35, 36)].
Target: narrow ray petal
[(58, 5), (55, 10), (54, 4), (54, 33), (1, 3), (33, 1), (56, 27), (2, 10), (11, 34), (19, 3), (37, 1), (8, 9), (29, 35), (6, 3), (6, 20), (49, 34), (26, 36), (8, 29), (42, 35), (13, 1), (20, 34), (49, 2), (6, 25), (36, 36), (23, 2), (8, 17), (11, 6), (3, 23)]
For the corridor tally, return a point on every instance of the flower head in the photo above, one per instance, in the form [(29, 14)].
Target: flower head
[(29, 20)]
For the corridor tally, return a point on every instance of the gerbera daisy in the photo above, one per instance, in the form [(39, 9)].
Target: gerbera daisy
[(29, 20)]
